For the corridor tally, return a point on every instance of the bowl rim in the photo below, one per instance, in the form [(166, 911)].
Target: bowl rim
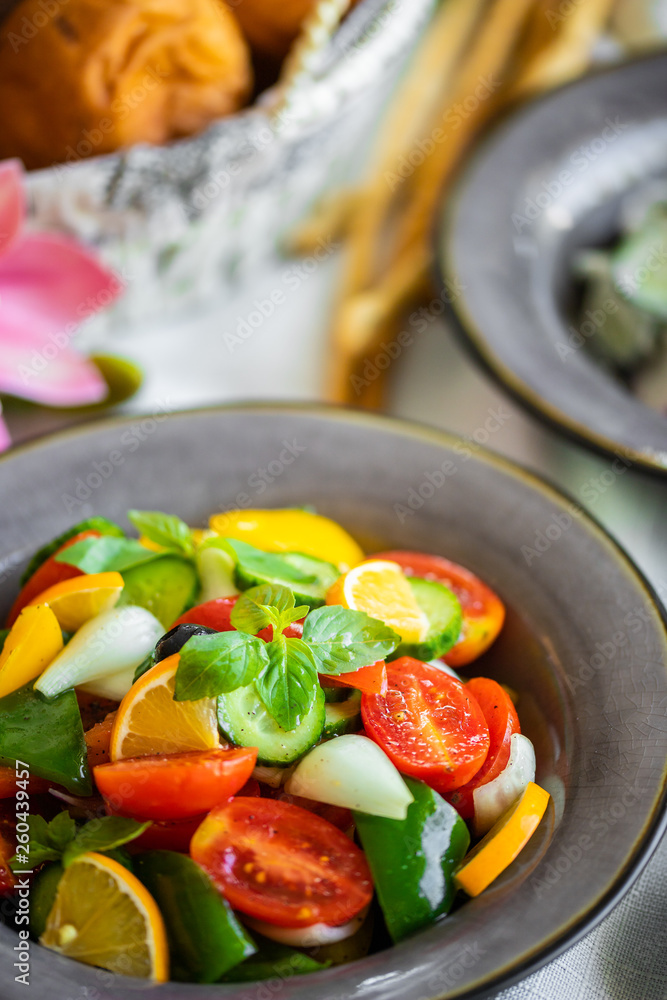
[(655, 827), (469, 333)]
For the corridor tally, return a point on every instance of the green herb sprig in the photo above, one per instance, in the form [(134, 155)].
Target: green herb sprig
[(62, 840), (284, 669)]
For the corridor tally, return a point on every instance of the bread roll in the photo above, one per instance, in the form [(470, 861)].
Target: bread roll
[(83, 77), (271, 25)]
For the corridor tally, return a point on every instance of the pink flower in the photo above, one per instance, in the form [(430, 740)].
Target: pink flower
[(49, 284)]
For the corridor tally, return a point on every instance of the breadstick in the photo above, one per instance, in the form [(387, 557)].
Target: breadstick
[(569, 56)]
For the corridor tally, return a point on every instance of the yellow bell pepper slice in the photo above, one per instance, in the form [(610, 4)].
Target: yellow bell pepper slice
[(34, 641), (504, 841), (290, 531)]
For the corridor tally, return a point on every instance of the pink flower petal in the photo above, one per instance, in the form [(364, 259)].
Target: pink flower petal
[(46, 370), (12, 202), (60, 281), (5, 440)]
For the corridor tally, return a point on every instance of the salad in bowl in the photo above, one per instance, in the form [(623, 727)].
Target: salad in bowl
[(252, 747)]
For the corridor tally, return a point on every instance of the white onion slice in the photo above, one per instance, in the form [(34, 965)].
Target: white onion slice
[(353, 772), (307, 937), (110, 645), (494, 798), (274, 777)]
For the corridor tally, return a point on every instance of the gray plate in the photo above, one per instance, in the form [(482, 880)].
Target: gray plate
[(548, 181), (584, 644)]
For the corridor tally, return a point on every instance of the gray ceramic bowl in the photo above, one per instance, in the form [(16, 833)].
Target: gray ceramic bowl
[(584, 644), (549, 181)]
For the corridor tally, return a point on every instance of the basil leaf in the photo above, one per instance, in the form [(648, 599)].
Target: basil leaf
[(100, 555), (30, 855), (163, 529), (217, 663), (294, 615), (342, 640), (268, 604), (254, 562), (38, 830), (47, 840), (146, 664), (103, 834), (61, 830), (288, 685)]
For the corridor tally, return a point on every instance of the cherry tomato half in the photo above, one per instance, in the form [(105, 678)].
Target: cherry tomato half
[(483, 611), (216, 614), (428, 725), (174, 786), (339, 816), (502, 720), (279, 863), (166, 835), (47, 575), (369, 680)]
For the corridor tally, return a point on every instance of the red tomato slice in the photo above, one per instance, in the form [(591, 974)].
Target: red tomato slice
[(174, 786), (215, 614), (483, 611), (47, 575), (7, 880), (428, 724), (252, 787), (279, 863), (370, 680), (339, 816), (502, 720), (8, 787), (166, 835)]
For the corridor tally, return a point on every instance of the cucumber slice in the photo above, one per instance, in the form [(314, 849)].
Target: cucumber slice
[(165, 587), (308, 578), (245, 721), (342, 717), (336, 694), (101, 524), (445, 617)]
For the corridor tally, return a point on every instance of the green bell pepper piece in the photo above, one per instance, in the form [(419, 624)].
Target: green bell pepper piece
[(205, 938), (272, 961), (412, 860), (47, 735), (165, 587)]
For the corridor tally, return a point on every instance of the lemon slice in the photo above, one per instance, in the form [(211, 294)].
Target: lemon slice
[(34, 641), (380, 588), (290, 531), (149, 721), (76, 601), (102, 915), (504, 841)]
